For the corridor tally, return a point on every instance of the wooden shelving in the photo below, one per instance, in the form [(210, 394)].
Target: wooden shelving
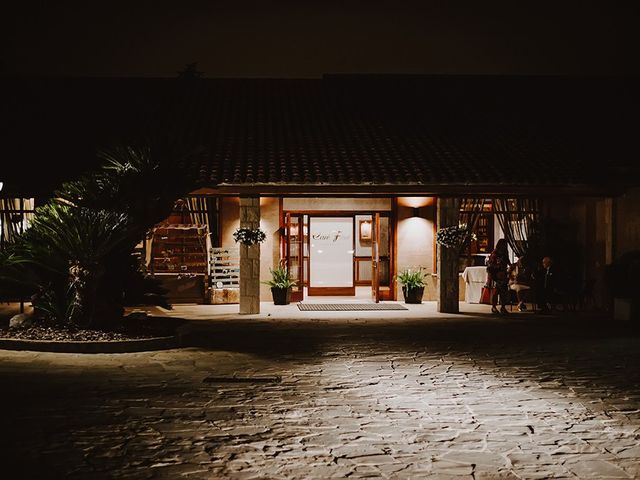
[(179, 249), (476, 251), (484, 232)]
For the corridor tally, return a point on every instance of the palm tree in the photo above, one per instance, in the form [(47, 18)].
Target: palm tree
[(77, 257), (143, 182), (63, 256)]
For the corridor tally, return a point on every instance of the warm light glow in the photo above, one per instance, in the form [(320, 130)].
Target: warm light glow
[(365, 229), (418, 224), (415, 202)]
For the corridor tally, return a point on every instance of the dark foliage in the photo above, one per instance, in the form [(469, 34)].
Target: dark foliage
[(76, 260)]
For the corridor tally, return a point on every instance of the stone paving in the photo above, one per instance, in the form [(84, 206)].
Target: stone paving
[(471, 398)]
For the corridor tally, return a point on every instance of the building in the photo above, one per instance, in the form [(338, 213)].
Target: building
[(348, 176)]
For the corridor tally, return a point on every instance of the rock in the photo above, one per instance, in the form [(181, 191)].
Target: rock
[(22, 320), (221, 296)]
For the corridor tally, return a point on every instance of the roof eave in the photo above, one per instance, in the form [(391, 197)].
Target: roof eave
[(324, 189)]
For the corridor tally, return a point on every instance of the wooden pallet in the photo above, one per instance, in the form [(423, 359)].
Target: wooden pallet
[(224, 267)]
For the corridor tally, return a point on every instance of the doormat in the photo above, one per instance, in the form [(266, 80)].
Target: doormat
[(348, 307)]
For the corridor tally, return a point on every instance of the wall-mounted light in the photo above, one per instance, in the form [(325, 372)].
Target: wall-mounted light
[(365, 229), (1, 185), (416, 211)]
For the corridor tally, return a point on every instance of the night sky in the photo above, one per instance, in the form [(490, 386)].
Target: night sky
[(297, 39)]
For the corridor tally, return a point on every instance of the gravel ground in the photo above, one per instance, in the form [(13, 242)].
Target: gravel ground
[(67, 335)]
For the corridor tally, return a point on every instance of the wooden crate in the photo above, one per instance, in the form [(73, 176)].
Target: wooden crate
[(189, 288)]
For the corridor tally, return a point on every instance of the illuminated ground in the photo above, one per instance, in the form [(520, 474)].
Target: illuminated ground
[(527, 397)]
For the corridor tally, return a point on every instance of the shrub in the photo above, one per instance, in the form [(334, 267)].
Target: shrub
[(76, 260)]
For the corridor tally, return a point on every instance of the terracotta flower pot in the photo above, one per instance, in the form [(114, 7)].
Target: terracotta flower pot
[(413, 295)]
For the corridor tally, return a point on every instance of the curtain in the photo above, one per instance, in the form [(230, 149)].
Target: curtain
[(15, 216), (470, 210), (198, 210), (519, 220), (204, 211)]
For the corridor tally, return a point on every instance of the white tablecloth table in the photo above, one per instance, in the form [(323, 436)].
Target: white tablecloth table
[(474, 280)]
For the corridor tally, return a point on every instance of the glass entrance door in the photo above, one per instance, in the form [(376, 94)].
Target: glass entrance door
[(331, 256)]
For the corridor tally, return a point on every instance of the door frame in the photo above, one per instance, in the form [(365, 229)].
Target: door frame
[(375, 257), (298, 294), (389, 294)]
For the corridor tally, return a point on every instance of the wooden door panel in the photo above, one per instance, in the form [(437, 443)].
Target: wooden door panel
[(375, 257), (294, 235)]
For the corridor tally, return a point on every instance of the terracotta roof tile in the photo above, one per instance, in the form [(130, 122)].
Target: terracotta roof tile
[(328, 131)]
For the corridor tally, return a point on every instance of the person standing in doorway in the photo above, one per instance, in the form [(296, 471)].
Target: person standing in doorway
[(497, 265), (546, 285)]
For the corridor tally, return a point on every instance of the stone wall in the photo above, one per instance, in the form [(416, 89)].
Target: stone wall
[(447, 258), (415, 238), (250, 258), (269, 222), (627, 220)]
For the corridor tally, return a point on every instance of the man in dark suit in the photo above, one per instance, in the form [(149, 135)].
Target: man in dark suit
[(546, 285)]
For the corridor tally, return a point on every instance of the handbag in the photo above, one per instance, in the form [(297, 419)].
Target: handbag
[(486, 295)]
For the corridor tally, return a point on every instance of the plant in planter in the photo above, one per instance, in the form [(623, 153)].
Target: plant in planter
[(76, 260), (455, 236), (249, 236), (412, 281), (280, 284)]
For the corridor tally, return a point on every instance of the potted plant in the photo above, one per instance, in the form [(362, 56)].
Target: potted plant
[(280, 284), (455, 236), (249, 236), (412, 282)]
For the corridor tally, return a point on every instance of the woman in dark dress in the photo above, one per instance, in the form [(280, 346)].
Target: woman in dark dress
[(497, 277)]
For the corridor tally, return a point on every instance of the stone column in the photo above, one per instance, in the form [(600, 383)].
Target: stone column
[(447, 258), (249, 258)]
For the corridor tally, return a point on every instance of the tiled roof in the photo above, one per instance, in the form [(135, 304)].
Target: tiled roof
[(413, 131)]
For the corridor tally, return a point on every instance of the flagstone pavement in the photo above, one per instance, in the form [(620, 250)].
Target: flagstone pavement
[(469, 397)]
